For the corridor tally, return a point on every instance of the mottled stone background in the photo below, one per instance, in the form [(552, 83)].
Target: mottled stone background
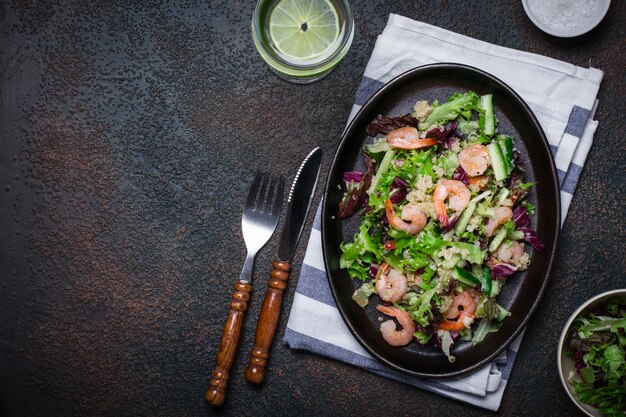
[(129, 132)]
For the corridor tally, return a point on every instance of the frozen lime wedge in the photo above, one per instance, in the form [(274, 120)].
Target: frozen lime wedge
[(304, 29)]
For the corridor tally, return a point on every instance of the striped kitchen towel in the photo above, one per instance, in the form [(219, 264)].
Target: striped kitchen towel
[(562, 96)]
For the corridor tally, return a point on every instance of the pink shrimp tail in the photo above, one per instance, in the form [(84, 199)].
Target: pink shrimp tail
[(389, 210), (455, 326), (442, 213), (411, 144), (390, 311)]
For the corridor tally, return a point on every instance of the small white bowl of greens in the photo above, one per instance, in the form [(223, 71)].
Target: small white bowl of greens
[(591, 360)]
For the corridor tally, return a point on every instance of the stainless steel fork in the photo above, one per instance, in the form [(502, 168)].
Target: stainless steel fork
[(259, 220)]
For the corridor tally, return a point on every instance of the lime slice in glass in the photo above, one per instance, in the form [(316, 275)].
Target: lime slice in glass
[(304, 29)]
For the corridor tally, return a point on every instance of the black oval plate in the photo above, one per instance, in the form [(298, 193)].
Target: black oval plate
[(523, 290)]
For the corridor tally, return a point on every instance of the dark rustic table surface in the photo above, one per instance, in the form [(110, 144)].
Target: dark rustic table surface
[(129, 133)]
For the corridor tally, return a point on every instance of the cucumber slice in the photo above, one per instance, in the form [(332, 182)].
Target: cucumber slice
[(464, 277), (384, 167), (506, 146), (486, 102), (463, 221), (485, 285), (497, 161), (497, 239)]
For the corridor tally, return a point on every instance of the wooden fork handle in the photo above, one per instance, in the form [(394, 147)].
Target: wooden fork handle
[(268, 321), (228, 344)]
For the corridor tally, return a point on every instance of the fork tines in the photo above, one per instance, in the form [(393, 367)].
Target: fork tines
[(264, 198)]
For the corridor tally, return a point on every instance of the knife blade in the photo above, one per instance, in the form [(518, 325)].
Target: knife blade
[(298, 204)]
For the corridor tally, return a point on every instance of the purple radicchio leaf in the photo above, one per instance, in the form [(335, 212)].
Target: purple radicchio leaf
[(579, 360), (450, 142), (352, 176), (450, 288), (520, 217), (444, 137), (369, 163), (374, 270), (398, 190), (385, 125), (357, 184), (354, 197), (460, 175), (531, 237), (501, 269), (451, 223)]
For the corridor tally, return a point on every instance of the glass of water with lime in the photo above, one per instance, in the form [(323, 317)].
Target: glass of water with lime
[(302, 40)]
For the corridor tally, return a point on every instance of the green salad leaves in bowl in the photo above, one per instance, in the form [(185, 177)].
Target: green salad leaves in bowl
[(591, 355)]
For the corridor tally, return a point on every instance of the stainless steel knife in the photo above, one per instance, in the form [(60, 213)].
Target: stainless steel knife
[(298, 204)]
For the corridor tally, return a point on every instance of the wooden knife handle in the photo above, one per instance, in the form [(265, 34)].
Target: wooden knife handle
[(268, 321), (228, 344)]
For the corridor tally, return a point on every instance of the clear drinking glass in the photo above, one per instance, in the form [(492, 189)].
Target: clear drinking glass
[(302, 40)]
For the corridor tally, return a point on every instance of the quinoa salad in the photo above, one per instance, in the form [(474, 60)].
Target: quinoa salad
[(444, 222)]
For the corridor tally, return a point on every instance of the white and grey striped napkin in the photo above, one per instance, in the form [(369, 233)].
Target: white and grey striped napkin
[(562, 96)]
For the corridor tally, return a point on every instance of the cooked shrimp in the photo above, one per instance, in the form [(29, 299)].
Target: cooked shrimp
[(463, 308), (412, 220), (466, 301), (391, 284), (457, 194), (388, 328), (474, 159), (503, 215), (478, 183), (408, 138), (510, 252)]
